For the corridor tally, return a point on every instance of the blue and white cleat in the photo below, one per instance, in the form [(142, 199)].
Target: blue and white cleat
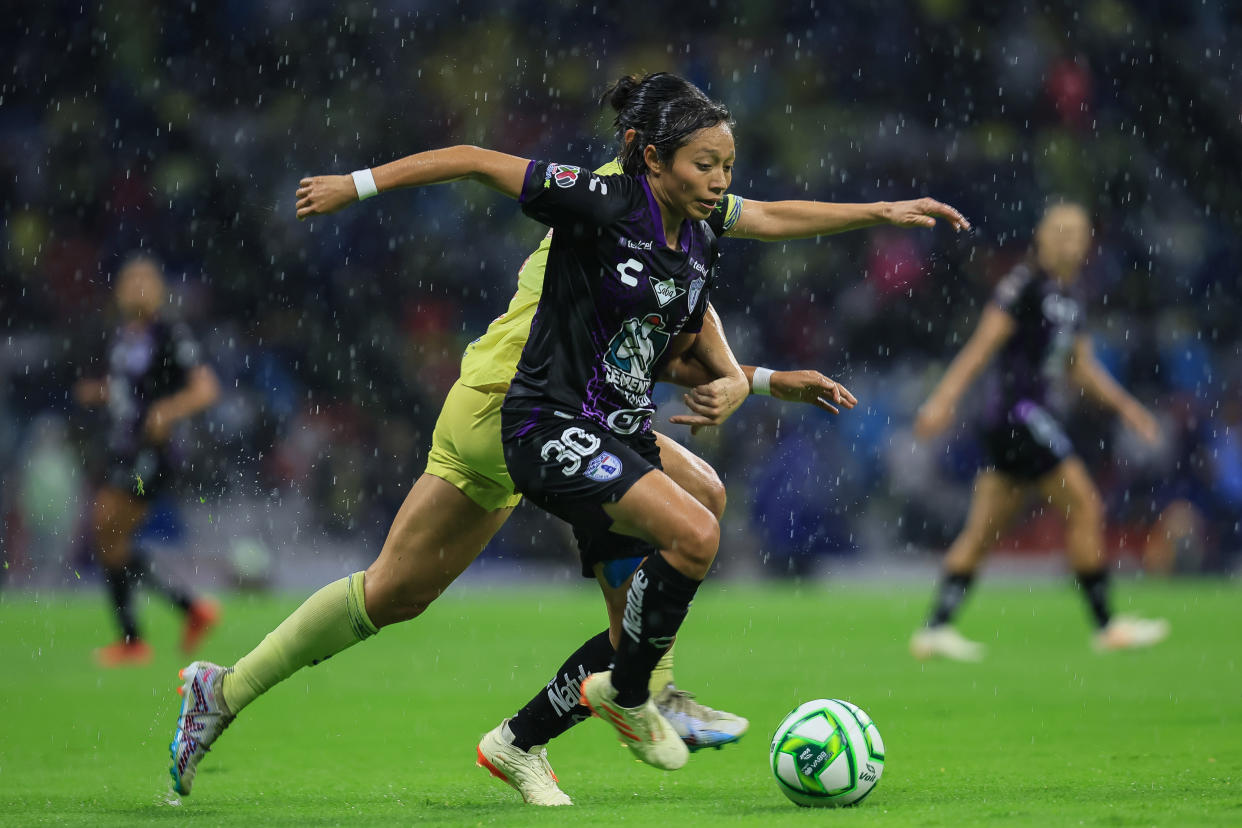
[(203, 718), (698, 725)]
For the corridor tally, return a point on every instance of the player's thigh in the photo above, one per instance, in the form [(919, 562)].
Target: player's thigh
[(657, 510), (436, 534), (116, 515), (692, 473), (1070, 490), (993, 504), (466, 449)]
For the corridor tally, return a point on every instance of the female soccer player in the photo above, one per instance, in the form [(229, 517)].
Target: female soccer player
[(1035, 323), (466, 493), (155, 379)]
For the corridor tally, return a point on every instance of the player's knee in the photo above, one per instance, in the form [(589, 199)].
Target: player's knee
[(391, 599), (697, 543)]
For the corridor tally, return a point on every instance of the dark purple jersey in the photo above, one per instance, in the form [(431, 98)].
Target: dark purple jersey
[(146, 362), (1048, 319), (614, 295)]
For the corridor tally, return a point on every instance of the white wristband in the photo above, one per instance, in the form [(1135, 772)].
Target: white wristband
[(761, 382), (364, 183)]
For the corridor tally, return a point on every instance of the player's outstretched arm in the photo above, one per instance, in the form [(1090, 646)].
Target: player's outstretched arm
[(784, 220), (804, 386), (202, 389), (1098, 384), (994, 329), (322, 194)]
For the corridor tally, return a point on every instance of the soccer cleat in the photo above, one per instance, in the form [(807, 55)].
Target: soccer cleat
[(203, 718), (201, 617), (527, 772), (1129, 633), (642, 729), (124, 653), (698, 725), (943, 640)]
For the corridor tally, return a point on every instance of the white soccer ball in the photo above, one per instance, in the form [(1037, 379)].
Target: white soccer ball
[(827, 752)]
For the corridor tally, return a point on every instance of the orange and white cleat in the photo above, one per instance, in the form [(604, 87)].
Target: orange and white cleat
[(1130, 633), (648, 735), (527, 772), (130, 652), (202, 616)]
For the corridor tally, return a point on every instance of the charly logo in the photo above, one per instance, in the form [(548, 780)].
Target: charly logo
[(632, 354), (696, 287), (604, 467), (665, 291)]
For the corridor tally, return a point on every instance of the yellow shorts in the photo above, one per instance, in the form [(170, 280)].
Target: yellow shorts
[(466, 450)]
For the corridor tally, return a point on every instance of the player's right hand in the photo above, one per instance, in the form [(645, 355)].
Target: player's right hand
[(811, 387), (323, 194), (933, 418)]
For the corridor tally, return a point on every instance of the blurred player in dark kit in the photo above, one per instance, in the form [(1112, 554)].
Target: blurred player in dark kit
[(156, 378)]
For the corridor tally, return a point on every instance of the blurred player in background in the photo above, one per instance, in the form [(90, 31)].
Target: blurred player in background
[(156, 378), (1035, 323)]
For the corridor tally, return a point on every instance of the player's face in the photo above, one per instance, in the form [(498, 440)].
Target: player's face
[(701, 172), (139, 290), (1062, 240)]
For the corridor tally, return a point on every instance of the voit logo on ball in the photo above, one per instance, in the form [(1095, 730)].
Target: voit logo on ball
[(604, 467)]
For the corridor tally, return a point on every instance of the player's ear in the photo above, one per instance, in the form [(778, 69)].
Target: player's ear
[(652, 159)]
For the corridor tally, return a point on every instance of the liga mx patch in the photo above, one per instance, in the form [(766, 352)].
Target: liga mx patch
[(604, 467), (565, 175)]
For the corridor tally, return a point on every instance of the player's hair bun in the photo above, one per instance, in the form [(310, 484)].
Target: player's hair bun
[(618, 95)]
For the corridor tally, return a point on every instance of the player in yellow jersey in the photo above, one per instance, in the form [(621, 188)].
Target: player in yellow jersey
[(466, 494)]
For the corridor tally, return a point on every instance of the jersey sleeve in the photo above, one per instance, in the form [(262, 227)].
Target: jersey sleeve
[(726, 214), (559, 194)]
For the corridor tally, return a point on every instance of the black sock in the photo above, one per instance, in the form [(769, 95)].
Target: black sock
[(949, 596), (1094, 587), (657, 603), (557, 707), (142, 572), (120, 588)]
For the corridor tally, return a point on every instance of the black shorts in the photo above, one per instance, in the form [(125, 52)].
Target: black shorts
[(572, 467), (1028, 444), (145, 473)]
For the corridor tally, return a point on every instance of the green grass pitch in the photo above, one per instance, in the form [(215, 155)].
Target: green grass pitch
[(1044, 732)]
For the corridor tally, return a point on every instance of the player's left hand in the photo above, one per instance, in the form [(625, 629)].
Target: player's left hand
[(811, 387), (158, 424), (923, 212), (323, 194), (713, 403)]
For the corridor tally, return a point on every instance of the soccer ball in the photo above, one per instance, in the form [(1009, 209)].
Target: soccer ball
[(827, 752)]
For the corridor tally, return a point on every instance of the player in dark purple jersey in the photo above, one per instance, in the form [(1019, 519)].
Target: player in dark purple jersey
[(1034, 324), (156, 378)]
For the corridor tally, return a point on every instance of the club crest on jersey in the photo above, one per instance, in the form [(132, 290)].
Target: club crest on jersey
[(632, 355), (565, 175), (603, 467), (666, 290), (696, 287)]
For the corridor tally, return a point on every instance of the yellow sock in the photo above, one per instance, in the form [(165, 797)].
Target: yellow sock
[(329, 621), (663, 673)]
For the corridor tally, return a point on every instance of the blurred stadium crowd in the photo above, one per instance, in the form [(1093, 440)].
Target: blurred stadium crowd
[(182, 129)]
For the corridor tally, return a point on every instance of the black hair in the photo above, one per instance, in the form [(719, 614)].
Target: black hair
[(664, 110)]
